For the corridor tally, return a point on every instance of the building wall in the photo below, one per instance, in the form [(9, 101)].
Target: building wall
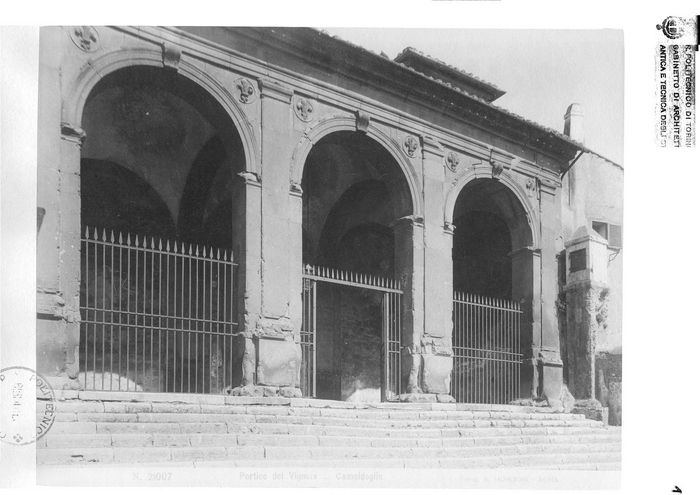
[(593, 192), (282, 100)]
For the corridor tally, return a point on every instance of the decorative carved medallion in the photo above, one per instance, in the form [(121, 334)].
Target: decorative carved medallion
[(531, 186), (410, 146), (304, 109), (362, 121), (245, 91), (85, 38), (452, 160)]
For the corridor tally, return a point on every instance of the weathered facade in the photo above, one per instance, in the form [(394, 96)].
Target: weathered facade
[(342, 197)]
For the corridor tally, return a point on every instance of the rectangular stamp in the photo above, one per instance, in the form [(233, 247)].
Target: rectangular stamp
[(676, 47)]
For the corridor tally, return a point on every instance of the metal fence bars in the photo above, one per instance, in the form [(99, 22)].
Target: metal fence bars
[(391, 306), (486, 346), (157, 316)]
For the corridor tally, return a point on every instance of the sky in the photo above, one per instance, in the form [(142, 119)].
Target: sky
[(542, 71)]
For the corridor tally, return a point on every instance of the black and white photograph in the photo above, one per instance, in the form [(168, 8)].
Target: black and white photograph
[(302, 254)]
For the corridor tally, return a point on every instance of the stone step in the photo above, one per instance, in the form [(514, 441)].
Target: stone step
[(169, 417), (600, 466), (369, 414), (102, 427), (87, 396), (95, 440), (508, 455)]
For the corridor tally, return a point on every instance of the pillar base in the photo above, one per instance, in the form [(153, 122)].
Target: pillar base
[(278, 363), (551, 374), (265, 391)]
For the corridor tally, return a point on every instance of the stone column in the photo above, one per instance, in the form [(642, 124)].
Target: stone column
[(549, 359), (276, 331), (436, 342), (247, 251), (408, 241), (526, 268)]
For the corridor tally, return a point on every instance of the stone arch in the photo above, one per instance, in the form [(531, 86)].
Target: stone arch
[(327, 126), (108, 63), (484, 171)]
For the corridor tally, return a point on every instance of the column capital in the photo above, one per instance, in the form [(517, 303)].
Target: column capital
[(250, 179), (407, 221), (525, 252), (270, 88), (548, 186), (295, 189), (431, 146), (72, 133)]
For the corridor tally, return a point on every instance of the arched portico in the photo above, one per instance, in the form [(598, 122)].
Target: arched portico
[(240, 145), (495, 260), (355, 192)]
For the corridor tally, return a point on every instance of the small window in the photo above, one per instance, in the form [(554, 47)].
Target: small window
[(615, 239), (610, 232), (601, 228), (577, 260)]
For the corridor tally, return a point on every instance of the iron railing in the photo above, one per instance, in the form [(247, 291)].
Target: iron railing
[(486, 346), (157, 316), (391, 325)]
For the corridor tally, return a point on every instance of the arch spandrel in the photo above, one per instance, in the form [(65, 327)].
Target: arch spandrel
[(91, 73), (329, 125)]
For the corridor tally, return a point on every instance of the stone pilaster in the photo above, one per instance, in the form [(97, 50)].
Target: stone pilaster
[(408, 240), (549, 359), (526, 270), (436, 341), (247, 195), (277, 331)]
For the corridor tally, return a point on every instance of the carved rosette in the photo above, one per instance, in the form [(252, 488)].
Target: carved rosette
[(410, 146), (304, 110), (245, 91), (452, 160), (85, 38)]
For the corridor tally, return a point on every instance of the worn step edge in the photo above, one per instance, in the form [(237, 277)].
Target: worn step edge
[(292, 429), (149, 417), (497, 457), (115, 396), (281, 410), (68, 440)]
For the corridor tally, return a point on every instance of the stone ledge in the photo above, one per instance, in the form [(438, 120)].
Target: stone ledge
[(431, 402)]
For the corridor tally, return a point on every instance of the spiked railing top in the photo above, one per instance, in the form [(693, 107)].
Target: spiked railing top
[(347, 277), (486, 301), (157, 245)]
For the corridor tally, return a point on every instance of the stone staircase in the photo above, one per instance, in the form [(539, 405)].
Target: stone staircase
[(93, 428)]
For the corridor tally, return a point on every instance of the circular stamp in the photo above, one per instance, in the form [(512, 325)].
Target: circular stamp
[(27, 409)]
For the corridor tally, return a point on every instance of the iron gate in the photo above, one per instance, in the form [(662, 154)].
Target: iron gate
[(157, 316), (486, 346), (391, 325)]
